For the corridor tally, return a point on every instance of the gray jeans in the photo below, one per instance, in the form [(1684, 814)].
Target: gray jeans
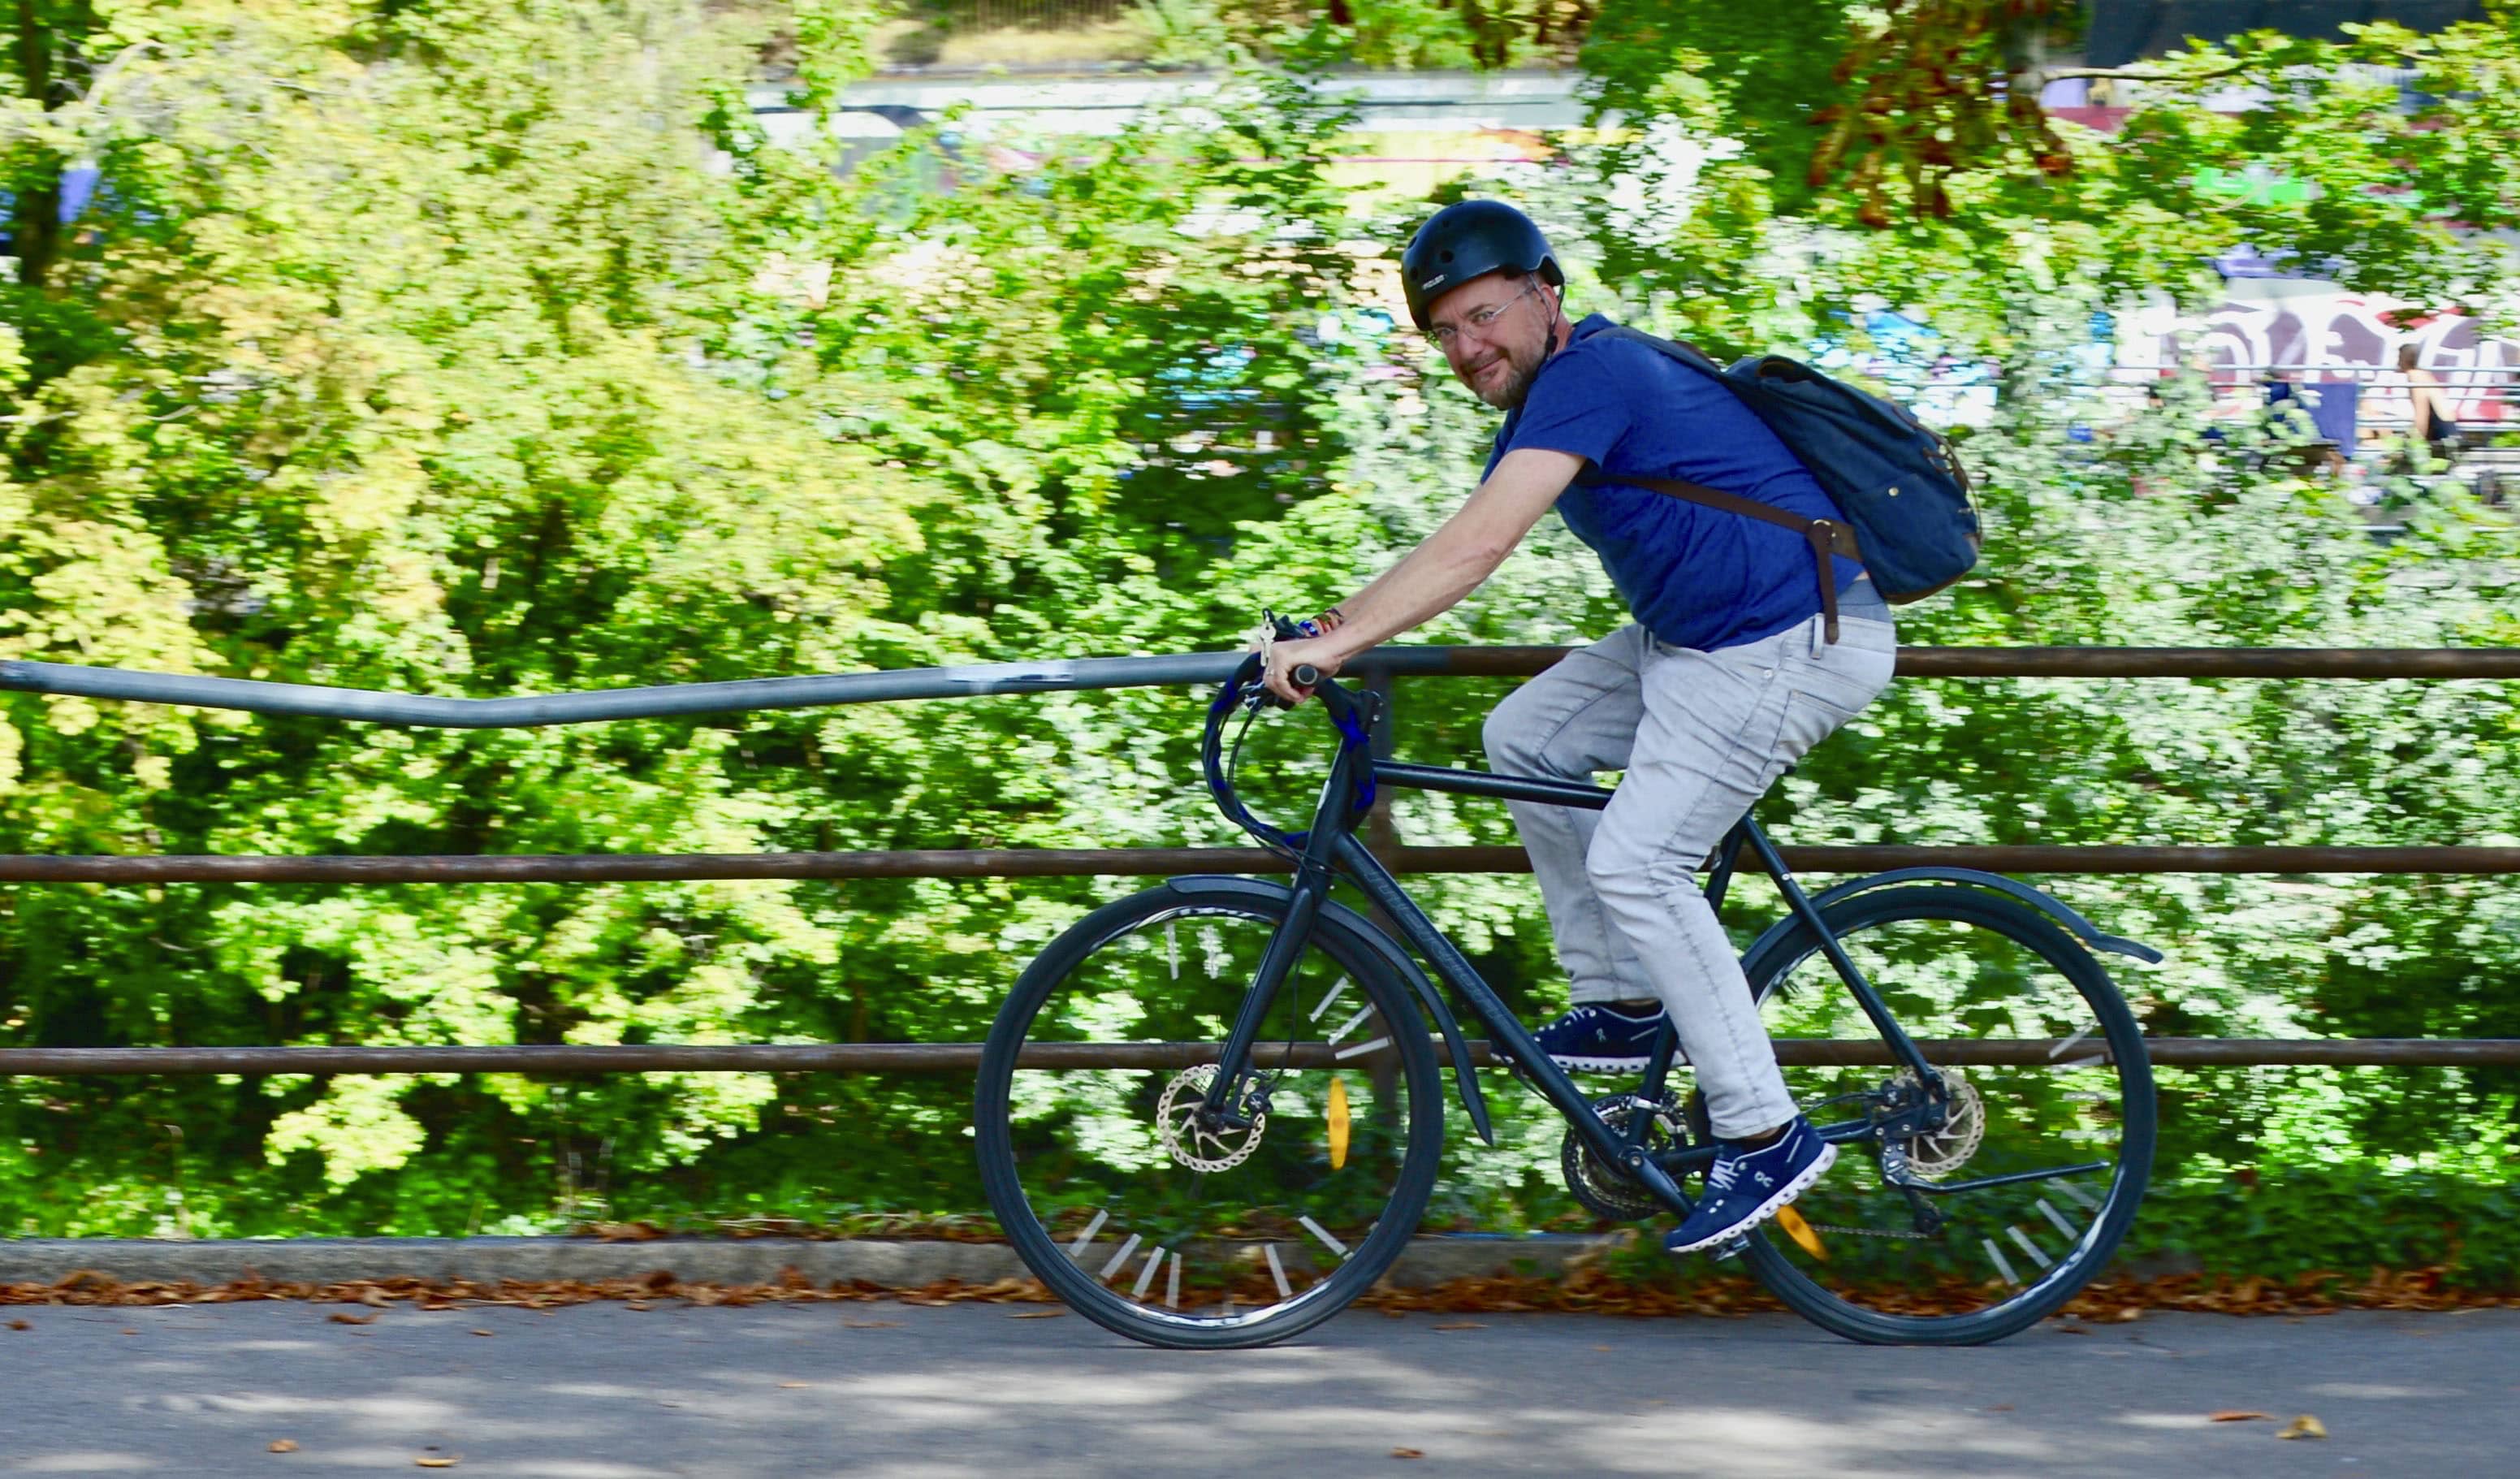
[(1701, 735)]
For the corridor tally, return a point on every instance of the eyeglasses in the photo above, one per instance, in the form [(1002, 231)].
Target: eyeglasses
[(1476, 323)]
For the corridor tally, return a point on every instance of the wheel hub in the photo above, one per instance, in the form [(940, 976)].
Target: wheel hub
[(1181, 1124), (1936, 1152)]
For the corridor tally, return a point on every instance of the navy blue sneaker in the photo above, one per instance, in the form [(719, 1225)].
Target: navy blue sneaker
[(1746, 1185), (1601, 1039)]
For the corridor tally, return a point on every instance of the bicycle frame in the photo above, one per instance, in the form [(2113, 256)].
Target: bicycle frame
[(1331, 848)]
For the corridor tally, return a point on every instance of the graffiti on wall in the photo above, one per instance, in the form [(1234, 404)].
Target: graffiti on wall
[(2326, 335)]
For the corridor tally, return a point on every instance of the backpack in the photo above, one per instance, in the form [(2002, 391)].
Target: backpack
[(1909, 518)]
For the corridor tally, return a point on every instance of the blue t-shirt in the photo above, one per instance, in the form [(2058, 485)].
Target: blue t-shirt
[(1695, 577)]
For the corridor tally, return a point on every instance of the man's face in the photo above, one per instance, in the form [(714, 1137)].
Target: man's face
[(1495, 331)]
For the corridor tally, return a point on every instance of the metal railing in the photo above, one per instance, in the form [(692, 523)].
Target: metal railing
[(2480, 399), (1035, 15), (1377, 668)]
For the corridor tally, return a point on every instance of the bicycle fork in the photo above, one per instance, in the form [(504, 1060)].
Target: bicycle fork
[(1223, 1103)]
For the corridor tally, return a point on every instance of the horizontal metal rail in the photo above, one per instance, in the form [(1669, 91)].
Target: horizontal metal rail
[(964, 1058), (1127, 672), (1164, 862), (976, 680)]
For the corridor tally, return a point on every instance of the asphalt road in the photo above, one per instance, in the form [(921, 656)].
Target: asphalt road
[(604, 1392)]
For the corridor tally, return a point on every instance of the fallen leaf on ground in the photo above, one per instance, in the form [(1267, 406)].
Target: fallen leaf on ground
[(352, 1318), (1037, 1315), (21, 1324), (432, 1458), (283, 1446), (636, 1232), (1408, 1452), (485, 1333), (795, 1384), (2235, 1415), (871, 1325), (375, 1298), (131, 1332), (1460, 1325), (1600, 1348), (641, 1303), (1587, 1289), (2304, 1426), (2001, 1406)]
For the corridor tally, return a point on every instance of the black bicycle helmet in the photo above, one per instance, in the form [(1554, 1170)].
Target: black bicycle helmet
[(1471, 238)]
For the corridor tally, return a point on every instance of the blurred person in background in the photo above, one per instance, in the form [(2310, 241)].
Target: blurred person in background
[(2431, 435)]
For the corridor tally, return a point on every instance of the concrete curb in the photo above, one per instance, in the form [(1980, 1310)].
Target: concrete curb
[(888, 1264)]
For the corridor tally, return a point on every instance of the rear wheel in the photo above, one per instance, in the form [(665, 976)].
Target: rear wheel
[(1974, 1229), (1178, 1231)]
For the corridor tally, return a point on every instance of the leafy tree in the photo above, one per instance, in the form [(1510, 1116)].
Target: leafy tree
[(494, 349)]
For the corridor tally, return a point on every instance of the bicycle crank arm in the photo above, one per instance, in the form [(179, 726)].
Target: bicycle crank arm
[(1650, 1174)]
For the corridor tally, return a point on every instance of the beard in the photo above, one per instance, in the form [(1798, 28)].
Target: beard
[(1506, 389)]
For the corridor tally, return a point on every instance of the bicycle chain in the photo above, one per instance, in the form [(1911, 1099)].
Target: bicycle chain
[(1893, 1170), (1874, 1233)]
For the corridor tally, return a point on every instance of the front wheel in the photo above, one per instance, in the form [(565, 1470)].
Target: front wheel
[(1976, 1228), (1174, 1231)]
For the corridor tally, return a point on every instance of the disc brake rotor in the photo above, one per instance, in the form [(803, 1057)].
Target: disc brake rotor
[(1938, 1154), (1186, 1141)]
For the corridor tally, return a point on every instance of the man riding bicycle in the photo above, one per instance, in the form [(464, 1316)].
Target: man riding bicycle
[(1727, 675)]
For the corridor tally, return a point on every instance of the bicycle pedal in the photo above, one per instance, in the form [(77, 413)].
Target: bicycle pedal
[(1727, 1252)]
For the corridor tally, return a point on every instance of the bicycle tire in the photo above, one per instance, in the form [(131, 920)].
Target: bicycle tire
[(2138, 1116), (995, 1128)]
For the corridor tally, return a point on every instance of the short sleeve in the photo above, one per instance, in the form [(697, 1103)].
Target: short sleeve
[(1576, 407)]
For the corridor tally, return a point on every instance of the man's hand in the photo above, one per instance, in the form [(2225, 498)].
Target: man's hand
[(1286, 654)]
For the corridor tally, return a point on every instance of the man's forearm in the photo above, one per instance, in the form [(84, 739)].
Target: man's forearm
[(1436, 574), (1429, 581), (1365, 592)]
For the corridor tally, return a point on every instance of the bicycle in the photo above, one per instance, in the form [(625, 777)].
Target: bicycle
[(1228, 1159)]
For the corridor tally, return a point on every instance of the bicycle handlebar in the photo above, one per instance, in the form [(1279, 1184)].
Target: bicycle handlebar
[(1336, 702)]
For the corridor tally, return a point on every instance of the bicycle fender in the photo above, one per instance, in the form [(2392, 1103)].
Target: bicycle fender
[(1466, 1079), (2049, 904)]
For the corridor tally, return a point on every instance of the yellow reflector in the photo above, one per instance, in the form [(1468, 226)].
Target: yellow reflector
[(1338, 1122), (1801, 1233)]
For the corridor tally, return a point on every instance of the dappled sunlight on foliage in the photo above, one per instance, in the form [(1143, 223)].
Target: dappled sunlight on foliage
[(493, 349)]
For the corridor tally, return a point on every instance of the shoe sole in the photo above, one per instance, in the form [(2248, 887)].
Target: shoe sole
[(1768, 1208), (1601, 1064)]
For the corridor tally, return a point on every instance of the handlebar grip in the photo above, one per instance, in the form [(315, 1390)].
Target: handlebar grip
[(1306, 675)]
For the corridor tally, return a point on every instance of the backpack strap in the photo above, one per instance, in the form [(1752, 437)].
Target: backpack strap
[(1827, 536)]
